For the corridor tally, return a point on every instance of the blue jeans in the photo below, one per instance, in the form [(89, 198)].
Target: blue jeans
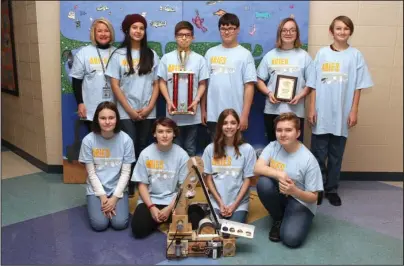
[(99, 222), (187, 138), (239, 216), (296, 218), (330, 147)]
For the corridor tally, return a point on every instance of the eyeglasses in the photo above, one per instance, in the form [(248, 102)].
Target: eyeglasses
[(186, 35), (284, 31), (229, 30)]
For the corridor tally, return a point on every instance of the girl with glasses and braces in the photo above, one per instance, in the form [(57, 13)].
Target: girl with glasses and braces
[(288, 59)]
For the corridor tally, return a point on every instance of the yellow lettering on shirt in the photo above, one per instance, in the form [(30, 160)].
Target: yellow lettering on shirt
[(96, 60), (155, 164), (135, 61), (225, 161), (280, 61), (173, 67), (330, 67), (101, 153), (218, 60), (277, 165)]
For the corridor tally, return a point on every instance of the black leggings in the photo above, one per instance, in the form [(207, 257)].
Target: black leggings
[(143, 223), (270, 127)]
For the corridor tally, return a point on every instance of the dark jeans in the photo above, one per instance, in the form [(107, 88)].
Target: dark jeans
[(187, 138), (139, 132), (270, 127), (296, 218), (212, 129), (143, 223), (331, 148)]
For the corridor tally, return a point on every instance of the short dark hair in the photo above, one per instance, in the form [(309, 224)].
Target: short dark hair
[(229, 19), (166, 122), (344, 19), (183, 25), (95, 125)]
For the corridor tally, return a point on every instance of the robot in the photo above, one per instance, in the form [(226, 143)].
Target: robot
[(201, 235)]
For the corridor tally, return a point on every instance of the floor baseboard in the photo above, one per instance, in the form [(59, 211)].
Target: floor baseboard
[(48, 168)]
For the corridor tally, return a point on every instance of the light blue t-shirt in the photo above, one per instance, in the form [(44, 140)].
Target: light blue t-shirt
[(301, 166), (108, 155), (230, 172), (164, 172), (196, 63), (293, 63), (336, 77), (87, 66), (137, 89), (230, 69)]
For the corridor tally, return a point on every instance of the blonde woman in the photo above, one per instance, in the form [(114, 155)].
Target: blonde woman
[(89, 83)]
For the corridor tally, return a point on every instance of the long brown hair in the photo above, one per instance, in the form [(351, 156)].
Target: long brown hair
[(219, 143)]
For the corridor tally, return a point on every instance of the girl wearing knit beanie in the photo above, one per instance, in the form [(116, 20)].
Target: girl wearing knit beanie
[(133, 74)]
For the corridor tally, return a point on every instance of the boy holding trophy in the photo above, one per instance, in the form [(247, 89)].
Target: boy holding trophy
[(182, 80)]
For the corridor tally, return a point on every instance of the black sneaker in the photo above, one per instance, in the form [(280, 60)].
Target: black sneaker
[(275, 233), (334, 199)]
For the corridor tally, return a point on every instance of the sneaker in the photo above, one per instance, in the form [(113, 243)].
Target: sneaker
[(334, 199), (275, 233)]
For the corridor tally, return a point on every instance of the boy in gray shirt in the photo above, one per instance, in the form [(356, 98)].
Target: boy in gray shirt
[(188, 124)]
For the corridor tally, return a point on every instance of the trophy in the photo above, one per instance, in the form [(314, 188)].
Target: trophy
[(187, 77)]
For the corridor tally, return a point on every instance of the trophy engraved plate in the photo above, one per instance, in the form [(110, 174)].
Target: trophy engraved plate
[(187, 77)]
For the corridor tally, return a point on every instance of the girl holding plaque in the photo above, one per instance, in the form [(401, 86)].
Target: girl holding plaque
[(108, 154), (340, 73), (229, 165), (133, 73), (89, 83), (286, 68)]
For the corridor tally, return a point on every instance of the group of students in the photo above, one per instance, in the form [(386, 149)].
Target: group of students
[(291, 176)]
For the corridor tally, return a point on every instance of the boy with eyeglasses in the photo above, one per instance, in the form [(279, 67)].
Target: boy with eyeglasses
[(232, 76), (188, 124)]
